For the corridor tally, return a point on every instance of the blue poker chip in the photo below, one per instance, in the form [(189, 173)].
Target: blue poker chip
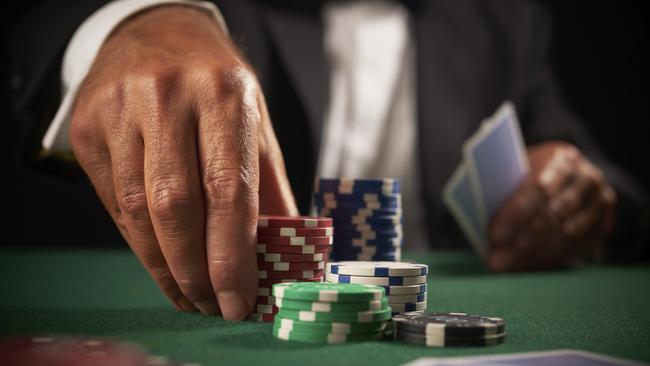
[(347, 185), (378, 269), (366, 227), (405, 290), (385, 220), (360, 243), (363, 257), (357, 197), (322, 205), (342, 212), (367, 235)]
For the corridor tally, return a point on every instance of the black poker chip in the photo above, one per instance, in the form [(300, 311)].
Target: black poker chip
[(435, 341), (449, 324)]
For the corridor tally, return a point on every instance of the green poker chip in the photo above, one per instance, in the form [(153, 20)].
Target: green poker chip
[(329, 327), (328, 292), (351, 317), (324, 338), (329, 307)]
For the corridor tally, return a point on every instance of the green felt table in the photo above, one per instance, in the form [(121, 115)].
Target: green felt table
[(603, 309)]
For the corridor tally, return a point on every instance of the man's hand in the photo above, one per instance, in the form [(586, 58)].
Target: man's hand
[(172, 129), (559, 214)]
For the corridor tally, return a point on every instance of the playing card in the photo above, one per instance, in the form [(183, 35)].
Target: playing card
[(496, 161), (547, 358), (459, 199)]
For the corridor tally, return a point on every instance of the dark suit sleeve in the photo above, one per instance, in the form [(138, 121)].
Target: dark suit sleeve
[(546, 117)]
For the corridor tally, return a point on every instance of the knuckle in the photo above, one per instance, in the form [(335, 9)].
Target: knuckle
[(169, 196), (228, 188), (83, 129), (132, 201)]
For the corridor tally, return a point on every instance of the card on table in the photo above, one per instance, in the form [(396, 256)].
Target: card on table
[(546, 358)]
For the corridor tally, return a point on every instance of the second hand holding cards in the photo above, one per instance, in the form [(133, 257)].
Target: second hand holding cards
[(494, 164)]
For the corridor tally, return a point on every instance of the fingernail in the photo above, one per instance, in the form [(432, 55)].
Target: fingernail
[(233, 305), (207, 307)]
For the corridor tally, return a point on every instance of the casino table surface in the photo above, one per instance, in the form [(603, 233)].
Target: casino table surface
[(604, 309)]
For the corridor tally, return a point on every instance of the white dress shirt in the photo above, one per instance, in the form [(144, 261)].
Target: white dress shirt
[(370, 124)]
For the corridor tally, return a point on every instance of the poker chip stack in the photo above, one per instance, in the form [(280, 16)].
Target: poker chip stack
[(405, 284), (289, 249), (367, 214), (448, 329), (330, 312)]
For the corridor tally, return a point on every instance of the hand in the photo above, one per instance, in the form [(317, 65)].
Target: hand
[(561, 213), (173, 131)]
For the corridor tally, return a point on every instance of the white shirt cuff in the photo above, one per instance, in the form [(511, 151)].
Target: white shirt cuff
[(82, 50)]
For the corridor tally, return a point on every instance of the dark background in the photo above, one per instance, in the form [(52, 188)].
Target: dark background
[(599, 53)]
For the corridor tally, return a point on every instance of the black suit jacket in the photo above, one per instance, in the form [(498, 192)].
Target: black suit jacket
[(471, 56)]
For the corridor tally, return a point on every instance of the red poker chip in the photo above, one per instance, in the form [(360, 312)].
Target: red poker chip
[(295, 240), (288, 257), (260, 317), (266, 309), (271, 274), (290, 266), (74, 351), (293, 221), (268, 283), (295, 231), (265, 300), (292, 249)]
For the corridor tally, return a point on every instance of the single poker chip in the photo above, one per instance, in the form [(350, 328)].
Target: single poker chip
[(368, 235), (371, 220), (379, 255), (378, 281), (450, 324), (328, 292), (290, 266), (350, 317), (362, 243), (295, 231), (295, 240), (268, 283), (368, 227), (342, 213), (324, 338), (401, 299), (293, 221), (330, 307), (266, 309), (405, 290), (288, 257), (265, 300), (295, 249), (268, 274), (378, 269), (328, 197), (356, 205), (348, 185), (329, 327), (261, 317), (434, 341), (366, 257), (408, 307)]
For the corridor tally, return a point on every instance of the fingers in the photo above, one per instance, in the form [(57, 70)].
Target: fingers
[(531, 197), (174, 198), (229, 163), (276, 197), (127, 162)]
